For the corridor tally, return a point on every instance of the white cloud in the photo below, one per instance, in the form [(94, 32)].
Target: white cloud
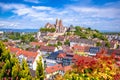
[(22, 11), (37, 16), (32, 1), (11, 6), (42, 8), (97, 12)]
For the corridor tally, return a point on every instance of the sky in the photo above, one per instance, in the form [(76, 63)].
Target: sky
[(33, 14)]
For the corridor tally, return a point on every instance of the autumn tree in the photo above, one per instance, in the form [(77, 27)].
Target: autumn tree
[(103, 67)]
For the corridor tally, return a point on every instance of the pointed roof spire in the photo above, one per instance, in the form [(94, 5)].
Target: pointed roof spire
[(57, 22)]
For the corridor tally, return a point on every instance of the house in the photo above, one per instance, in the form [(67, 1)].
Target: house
[(78, 48), (33, 50), (52, 58), (64, 59), (53, 70), (87, 42), (61, 38), (30, 57), (60, 57), (93, 51), (56, 69), (52, 42), (67, 68), (14, 50), (53, 55), (74, 40), (67, 49), (12, 44), (113, 45), (34, 44), (47, 49)]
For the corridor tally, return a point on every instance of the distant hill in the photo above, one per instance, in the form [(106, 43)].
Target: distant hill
[(19, 30)]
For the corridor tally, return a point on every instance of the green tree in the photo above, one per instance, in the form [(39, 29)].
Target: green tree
[(5, 71), (67, 42), (107, 44), (52, 30), (98, 44), (4, 53), (95, 35), (5, 40), (40, 70), (59, 43), (25, 72), (16, 71), (10, 66)]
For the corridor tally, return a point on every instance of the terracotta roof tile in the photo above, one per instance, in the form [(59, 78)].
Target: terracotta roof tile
[(61, 55), (54, 68), (37, 43), (28, 54), (47, 48), (67, 68), (13, 49), (78, 48)]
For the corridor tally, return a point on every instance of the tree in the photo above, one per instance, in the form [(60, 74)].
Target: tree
[(40, 70), (67, 42), (101, 68), (89, 28), (10, 66), (47, 29), (5, 71), (4, 53), (25, 72), (16, 71), (98, 44), (95, 35), (52, 30), (59, 43), (107, 44)]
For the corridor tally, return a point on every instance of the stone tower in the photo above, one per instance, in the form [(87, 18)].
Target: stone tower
[(57, 23)]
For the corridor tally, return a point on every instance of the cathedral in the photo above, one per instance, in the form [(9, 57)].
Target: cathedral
[(58, 26)]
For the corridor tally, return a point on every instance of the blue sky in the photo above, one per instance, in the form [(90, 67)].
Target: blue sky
[(33, 14)]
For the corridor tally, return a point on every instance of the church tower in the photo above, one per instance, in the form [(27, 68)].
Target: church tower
[(57, 23), (60, 26)]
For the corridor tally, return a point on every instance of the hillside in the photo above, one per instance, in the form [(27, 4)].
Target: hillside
[(87, 33)]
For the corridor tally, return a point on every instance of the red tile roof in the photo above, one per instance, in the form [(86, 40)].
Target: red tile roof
[(47, 48), (78, 48), (19, 52), (37, 43), (9, 43), (28, 54), (67, 68), (61, 55), (54, 68), (13, 49), (61, 38), (67, 49)]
